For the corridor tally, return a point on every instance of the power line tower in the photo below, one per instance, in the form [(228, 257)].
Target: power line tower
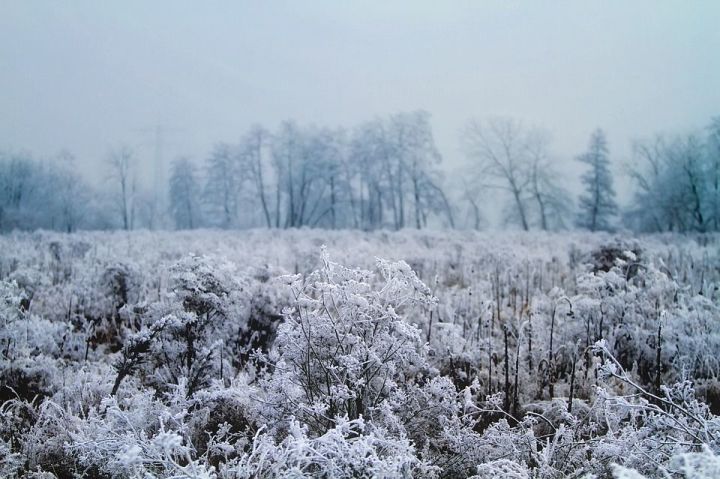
[(157, 138)]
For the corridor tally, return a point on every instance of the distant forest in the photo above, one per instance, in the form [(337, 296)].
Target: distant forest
[(384, 174)]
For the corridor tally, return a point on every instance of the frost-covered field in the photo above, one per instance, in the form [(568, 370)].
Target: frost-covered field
[(262, 354)]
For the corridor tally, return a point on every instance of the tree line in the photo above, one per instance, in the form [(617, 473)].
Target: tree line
[(386, 173)]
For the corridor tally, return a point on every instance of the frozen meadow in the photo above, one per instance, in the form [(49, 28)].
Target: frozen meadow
[(338, 239), (308, 353)]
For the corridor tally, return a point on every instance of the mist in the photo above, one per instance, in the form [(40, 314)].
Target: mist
[(359, 239), (173, 79)]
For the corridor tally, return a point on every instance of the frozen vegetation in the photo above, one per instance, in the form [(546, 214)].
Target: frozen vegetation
[(359, 240), (266, 354)]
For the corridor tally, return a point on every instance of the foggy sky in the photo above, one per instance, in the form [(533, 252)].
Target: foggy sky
[(87, 75)]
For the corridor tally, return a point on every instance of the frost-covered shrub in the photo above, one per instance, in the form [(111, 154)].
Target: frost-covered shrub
[(606, 257), (192, 370), (134, 437), (96, 302), (441, 422), (202, 328), (349, 449), (502, 468), (221, 427), (29, 281), (344, 347), (30, 348)]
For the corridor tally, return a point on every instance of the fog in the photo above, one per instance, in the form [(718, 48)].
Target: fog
[(88, 76), (360, 238)]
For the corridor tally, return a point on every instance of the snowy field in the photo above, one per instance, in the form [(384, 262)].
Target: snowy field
[(411, 354)]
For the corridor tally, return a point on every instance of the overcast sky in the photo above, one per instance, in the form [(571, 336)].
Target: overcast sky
[(87, 75)]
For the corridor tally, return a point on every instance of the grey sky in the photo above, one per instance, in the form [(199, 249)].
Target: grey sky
[(86, 75)]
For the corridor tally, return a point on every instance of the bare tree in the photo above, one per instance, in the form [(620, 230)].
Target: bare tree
[(651, 211), (418, 159), (252, 148), (435, 199), (122, 173), (552, 201), (675, 181), (688, 153), (314, 177), (285, 149), (326, 150), (222, 185), (498, 150), (472, 192), (318, 170), (70, 192), (713, 171), (397, 172), (18, 187), (368, 157)]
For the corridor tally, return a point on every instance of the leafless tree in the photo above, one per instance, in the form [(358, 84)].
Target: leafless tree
[(675, 182), (252, 148), (713, 173), (122, 173), (552, 201), (222, 185), (369, 166), (497, 149), (398, 172), (472, 192), (70, 192)]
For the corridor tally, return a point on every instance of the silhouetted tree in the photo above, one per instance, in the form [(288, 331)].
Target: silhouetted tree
[(122, 174), (597, 205)]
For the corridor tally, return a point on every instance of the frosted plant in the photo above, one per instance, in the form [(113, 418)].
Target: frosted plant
[(350, 449), (344, 346)]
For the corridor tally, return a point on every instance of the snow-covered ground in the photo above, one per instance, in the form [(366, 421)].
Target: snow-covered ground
[(346, 354)]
